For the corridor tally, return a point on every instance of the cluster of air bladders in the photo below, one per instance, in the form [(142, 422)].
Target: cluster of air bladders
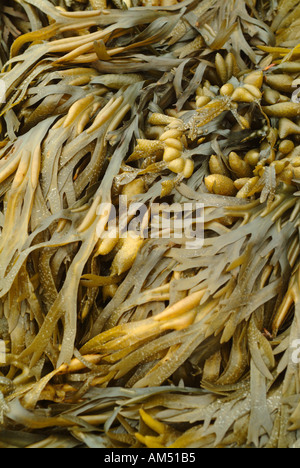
[(238, 173)]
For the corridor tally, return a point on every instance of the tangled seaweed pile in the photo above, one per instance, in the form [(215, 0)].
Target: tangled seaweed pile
[(144, 341)]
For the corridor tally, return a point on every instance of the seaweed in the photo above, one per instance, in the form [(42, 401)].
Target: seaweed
[(149, 341)]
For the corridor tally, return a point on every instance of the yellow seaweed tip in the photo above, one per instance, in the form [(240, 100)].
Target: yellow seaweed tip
[(220, 185)]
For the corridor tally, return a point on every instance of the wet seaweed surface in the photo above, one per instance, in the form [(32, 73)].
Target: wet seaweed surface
[(145, 341)]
